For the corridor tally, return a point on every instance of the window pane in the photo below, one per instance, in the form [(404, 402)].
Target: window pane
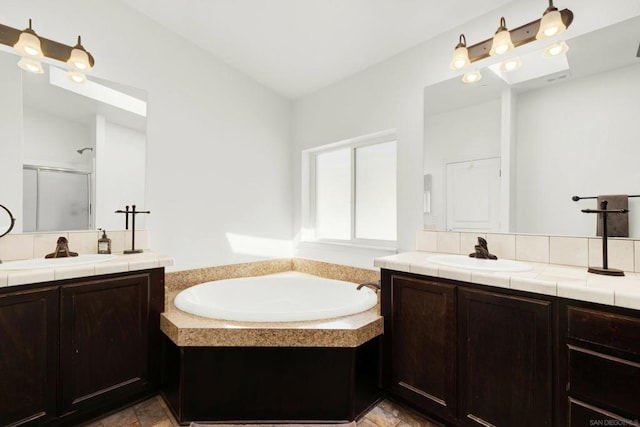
[(376, 191), (333, 194)]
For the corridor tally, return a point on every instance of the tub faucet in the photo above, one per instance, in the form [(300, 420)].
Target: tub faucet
[(375, 286)]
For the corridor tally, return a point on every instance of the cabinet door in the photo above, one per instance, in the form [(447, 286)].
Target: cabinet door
[(505, 360), (28, 356), (420, 316), (104, 340)]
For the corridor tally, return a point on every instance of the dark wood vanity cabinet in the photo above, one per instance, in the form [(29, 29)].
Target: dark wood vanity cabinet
[(505, 359), (28, 355), (74, 349), (600, 364), (467, 356), (420, 342)]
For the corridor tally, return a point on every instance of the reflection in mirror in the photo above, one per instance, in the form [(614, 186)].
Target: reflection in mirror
[(568, 131), (83, 151)]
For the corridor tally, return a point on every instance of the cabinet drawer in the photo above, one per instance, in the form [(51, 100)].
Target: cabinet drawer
[(607, 381), (608, 329), (583, 415)]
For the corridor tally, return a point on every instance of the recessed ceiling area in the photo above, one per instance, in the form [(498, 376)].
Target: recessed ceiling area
[(296, 47)]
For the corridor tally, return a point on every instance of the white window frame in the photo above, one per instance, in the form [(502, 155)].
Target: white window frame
[(308, 233)]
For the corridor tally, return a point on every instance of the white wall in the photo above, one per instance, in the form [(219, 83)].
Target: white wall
[(10, 141), (120, 174), (584, 134), (50, 140), (460, 135), (390, 95), (218, 157)]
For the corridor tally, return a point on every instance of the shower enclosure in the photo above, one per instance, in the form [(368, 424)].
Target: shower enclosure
[(56, 199)]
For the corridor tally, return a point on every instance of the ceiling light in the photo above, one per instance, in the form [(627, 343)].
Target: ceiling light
[(460, 55), (29, 43), (510, 64), (472, 76), (79, 58), (555, 49), (502, 40), (32, 47), (31, 65), (551, 23)]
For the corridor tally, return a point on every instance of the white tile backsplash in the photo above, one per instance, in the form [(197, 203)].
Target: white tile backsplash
[(569, 251), (468, 241), (15, 247), (502, 245), (449, 242), (427, 241), (532, 248), (620, 253)]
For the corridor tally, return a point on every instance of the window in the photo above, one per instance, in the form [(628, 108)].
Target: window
[(349, 191)]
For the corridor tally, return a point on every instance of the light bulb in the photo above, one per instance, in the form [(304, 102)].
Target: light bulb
[(555, 49), (29, 43), (551, 24), (510, 64), (79, 58), (460, 55), (76, 77), (501, 41)]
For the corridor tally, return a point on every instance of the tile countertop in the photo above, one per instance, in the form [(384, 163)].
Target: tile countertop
[(121, 263), (548, 279)]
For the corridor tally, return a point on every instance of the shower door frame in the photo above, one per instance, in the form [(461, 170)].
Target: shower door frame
[(89, 176)]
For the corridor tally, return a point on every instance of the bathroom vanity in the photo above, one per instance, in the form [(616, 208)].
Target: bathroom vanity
[(473, 354), (75, 348)]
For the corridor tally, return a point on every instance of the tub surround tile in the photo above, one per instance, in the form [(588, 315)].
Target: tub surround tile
[(532, 248), (335, 271), (178, 280), (569, 251), (117, 241), (187, 330), (84, 242)]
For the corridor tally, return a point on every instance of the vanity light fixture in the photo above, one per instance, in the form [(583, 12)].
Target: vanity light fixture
[(502, 40), (510, 64), (555, 49), (552, 23), (472, 76), (33, 47), (460, 55)]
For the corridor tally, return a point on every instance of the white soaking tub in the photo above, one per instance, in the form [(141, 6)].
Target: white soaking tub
[(275, 298)]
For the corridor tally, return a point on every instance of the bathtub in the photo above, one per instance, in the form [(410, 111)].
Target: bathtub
[(275, 298)]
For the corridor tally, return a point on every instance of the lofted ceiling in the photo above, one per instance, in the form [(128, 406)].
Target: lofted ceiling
[(296, 47)]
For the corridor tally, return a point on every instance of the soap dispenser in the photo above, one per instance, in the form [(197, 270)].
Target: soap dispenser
[(104, 244)]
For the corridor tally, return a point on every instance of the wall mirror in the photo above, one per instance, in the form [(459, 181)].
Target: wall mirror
[(83, 150), (563, 127)]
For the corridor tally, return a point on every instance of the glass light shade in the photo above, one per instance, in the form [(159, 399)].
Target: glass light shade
[(472, 76), (460, 58), (76, 76), (29, 44), (551, 25), (30, 65), (501, 43), (510, 64), (555, 49), (79, 60)]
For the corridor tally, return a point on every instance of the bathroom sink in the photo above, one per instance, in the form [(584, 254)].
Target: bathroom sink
[(462, 261), (35, 263)]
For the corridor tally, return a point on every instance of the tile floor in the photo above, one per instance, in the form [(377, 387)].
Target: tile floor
[(154, 413)]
